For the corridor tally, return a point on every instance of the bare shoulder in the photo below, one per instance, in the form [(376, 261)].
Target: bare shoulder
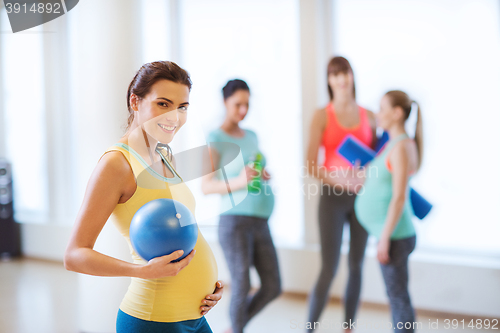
[(411, 149), (320, 113), (319, 118), (113, 168), (405, 152), (114, 161), (405, 146), (371, 116), (399, 148)]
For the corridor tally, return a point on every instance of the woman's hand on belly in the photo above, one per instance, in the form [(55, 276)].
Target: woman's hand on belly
[(163, 266), (211, 300)]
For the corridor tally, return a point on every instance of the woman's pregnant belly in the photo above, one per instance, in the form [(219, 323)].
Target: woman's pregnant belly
[(174, 298)]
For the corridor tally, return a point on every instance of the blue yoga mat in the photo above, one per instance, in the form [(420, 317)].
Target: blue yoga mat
[(381, 141), (354, 150), (421, 207)]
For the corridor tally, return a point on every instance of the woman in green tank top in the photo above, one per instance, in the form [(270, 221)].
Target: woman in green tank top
[(383, 208)]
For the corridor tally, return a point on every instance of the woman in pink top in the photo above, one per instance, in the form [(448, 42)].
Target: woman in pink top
[(330, 125)]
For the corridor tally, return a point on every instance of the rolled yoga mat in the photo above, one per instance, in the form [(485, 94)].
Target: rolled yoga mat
[(381, 141), (354, 150)]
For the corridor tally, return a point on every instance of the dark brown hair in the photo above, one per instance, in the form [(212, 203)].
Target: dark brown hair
[(233, 86), (339, 65), (148, 75), (401, 99)]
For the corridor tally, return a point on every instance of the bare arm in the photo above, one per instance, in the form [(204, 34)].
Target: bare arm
[(400, 173), (210, 184), (316, 130), (373, 125), (108, 183)]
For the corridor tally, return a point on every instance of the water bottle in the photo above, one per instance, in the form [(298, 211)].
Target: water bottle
[(254, 185)]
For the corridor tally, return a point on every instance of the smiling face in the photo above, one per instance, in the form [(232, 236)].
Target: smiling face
[(341, 83), (388, 114), (237, 105), (163, 111)]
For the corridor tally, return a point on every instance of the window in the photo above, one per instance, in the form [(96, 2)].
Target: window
[(445, 55), (156, 37), (23, 106), (257, 41)]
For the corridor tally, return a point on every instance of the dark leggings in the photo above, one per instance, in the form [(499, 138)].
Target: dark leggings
[(246, 241), (334, 211), (395, 275)]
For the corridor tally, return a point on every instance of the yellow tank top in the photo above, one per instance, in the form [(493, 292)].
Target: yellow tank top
[(172, 298)]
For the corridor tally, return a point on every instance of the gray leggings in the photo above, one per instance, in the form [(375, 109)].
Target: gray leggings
[(395, 275), (246, 241), (334, 211)]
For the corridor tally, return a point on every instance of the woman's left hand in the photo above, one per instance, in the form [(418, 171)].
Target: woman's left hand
[(383, 250), (211, 300)]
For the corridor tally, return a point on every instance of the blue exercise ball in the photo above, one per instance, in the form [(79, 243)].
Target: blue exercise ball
[(163, 226)]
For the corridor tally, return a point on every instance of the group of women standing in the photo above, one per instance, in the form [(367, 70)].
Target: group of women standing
[(382, 210), (382, 207), (161, 297)]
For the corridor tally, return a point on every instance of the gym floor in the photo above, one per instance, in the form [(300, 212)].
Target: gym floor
[(39, 296)]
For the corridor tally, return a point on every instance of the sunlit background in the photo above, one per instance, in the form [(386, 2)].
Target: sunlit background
[(62, 103)]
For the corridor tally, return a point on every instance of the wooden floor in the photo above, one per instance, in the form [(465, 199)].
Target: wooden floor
[(39, 297)]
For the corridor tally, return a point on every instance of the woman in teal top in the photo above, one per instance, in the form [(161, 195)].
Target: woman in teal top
[(383, 208), (243, 229), (237, 202)]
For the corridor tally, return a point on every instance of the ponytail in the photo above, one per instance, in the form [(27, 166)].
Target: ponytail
[(419, 137), (401, 99), (129, 93)]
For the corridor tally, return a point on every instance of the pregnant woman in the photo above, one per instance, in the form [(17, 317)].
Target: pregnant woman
[(243, 230), (384, 208), (163, 296)]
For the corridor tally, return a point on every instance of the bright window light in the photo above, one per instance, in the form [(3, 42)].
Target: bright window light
[(445, 55), (22, 75), (257, 41)]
